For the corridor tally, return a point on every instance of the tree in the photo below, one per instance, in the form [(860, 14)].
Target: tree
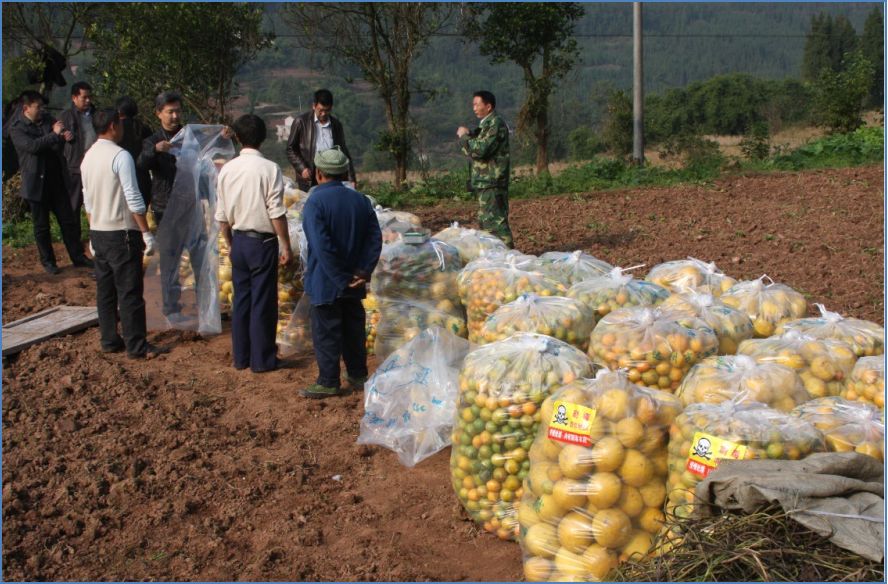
[(839, 97), (43, 37), (196, 49), (538, 37), (873, 49), (383, 40), (827, 44)]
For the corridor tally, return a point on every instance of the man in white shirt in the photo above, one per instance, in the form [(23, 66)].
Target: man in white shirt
[(119, 235), (252, 218)]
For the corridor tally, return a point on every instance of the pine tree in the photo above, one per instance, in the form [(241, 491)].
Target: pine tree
[(873, 48)]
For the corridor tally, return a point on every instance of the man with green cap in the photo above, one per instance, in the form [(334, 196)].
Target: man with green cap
[(488, 149), (344, 243)]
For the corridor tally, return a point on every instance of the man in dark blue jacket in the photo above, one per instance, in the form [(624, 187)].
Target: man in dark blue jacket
[(344, 243)]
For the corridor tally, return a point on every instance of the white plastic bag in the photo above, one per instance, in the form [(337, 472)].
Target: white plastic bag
[(410, 401)]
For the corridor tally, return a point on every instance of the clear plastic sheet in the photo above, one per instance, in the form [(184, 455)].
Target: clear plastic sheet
[(846, 426), (865, 337)]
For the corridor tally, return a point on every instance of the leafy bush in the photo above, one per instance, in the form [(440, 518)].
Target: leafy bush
[(583, 144), (862, 146), (839, 97), (756, 143), (617, 131), (14, 207)]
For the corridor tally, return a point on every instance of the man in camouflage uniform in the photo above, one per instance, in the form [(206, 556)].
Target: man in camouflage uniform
[(488, 149)]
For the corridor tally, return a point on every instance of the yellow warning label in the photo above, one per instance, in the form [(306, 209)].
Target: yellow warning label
[(707, 450), (571, 423)]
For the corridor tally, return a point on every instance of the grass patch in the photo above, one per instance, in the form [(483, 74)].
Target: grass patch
[(21, 233)]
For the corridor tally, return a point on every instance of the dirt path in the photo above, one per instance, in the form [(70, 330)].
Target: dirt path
[(182, 468)]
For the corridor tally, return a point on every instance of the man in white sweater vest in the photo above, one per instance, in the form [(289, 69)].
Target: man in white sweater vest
[(118, 233)]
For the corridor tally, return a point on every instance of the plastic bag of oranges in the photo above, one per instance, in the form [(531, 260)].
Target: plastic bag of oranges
[(616, 290), (767, 305), (730, 325), (415, 287), (867, 382), (487, 284), (691, 275), (372, 321), (596, 486), (295, 337), (570, 268), (846, 426), (823, 365), (741, 378), (393, 224), (705, 433), (471, 243), (866, 338), (502, 386), (657, 348), (555, 316)]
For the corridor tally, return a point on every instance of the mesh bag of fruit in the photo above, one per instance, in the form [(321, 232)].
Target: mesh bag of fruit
[(409, 401), (691, 275), (767, 305), (555, 316), (865, 337), (823, 364), (657, 348), (501, 388), (741, 378), (730, 325), (617, 289), (487, 284), (570, 268), (846, 426), (595, 489), (867, 382), (471, 243), (705, 433), (415, 287)]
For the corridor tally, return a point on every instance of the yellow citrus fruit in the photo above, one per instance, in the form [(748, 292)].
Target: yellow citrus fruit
[(639, 545), (651, 519), (527, 515), (612, 528), (630, 502), (570, 493), (570, 564), (576, 461), (653, 493), (551, 449), (630, 432), (575, 532), (608, 454), (541, 540), (603, 489), (548, 509), (613, 404), (537, 569), (636, 469), (599, 561)]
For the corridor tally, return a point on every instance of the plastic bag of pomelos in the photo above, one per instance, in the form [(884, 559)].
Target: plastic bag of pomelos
[(617, 289), (555, 316), (502, 386), (703, 434), (691, 275), (767, 305), (597, 482), (657, 347), (823, 364), (471, 243), (570, 268), (738, 377), (867, 382), (846, 426), (730, 325), (866, 338)]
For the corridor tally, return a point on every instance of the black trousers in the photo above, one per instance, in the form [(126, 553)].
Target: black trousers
[(55, 200), (120, 289), (254, 313), (75, 192), (338, 331)]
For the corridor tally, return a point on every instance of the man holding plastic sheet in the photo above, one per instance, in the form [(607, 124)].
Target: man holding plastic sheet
[(312, 133), (119, 235), (488, 149), (344, 243), (252, 218)]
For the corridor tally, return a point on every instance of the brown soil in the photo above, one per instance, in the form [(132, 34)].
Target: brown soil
[(182, 468)]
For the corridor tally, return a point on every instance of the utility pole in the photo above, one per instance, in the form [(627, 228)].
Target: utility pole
[(637, 87)]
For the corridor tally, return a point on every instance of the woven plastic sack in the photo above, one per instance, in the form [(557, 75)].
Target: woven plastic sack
[(867, 382), (846, 426), (767, 305), (596, 486), (182, 277), (865, 337), (823, 365), (705, 433), (502, 386), (555, 316), (731, 326), (487, 284), (409, 401), (657, 348), (415, 288), (617, 289), (471, 243), (691, 275), (570, 268), (741, 378)]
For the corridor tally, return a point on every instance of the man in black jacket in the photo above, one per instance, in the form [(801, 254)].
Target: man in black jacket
[(38, 141), (313, 132), (78, 121), (155, 156)]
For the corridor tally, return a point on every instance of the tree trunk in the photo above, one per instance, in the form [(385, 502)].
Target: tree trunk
[(542, 137)]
